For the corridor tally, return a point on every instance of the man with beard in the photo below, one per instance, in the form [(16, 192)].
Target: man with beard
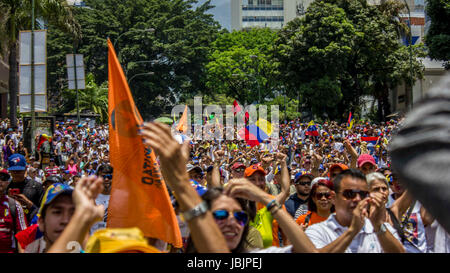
[(299, 200)]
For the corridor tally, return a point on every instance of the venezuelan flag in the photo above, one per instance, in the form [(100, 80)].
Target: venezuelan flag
[(350, 121), (255, 134), (312, 129), (372, 140)]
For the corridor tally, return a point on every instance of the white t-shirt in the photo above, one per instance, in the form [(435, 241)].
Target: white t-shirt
[(441, 241), (415, 232), (102, 199), (366, 241)]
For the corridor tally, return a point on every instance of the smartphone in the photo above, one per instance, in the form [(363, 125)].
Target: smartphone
[(14, 191)]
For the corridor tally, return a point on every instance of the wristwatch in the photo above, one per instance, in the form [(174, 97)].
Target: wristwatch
[(198, 210), (382, 229)]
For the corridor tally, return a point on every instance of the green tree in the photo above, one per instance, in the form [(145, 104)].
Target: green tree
[(176, 51), (93, 98), (342, 50), (16, 17), (312, 52), (240, 65), (438, 37)]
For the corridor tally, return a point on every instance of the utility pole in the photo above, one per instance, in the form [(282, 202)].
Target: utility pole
[(76, 80), (33, 114)]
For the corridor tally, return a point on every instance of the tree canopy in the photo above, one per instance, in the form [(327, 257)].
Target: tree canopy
[(438, 37), (340, 51), (176, 51), (240, 65)]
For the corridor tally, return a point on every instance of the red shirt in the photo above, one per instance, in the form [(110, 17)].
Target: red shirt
[(52, 171), (6, 224)]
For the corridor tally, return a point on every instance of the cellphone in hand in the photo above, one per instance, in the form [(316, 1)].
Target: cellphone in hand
[(14, 191)]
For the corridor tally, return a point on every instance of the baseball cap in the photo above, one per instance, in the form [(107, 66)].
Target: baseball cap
[(366, 158), (4, 175), (17, 162), (252, 169), (343, 167), (317, 179), (190, 167), (301, 174), (117, 240), (237, 165), (54, 179), (52, 192)]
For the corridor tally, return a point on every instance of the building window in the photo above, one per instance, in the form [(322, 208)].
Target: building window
[(262, 18)]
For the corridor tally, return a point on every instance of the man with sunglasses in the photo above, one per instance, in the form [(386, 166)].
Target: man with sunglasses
[(237, 170), (299, 200), (106, 172), (358, 226)]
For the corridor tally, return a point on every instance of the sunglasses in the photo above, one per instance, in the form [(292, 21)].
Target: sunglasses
[(107, 176), (303, 183), (240, 216), (319, 195), (239, 170), (350, 194)]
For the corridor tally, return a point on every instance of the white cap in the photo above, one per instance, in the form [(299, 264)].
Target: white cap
[(317, 179)]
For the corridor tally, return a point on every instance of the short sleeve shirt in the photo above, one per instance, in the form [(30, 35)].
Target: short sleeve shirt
[(366, 241)]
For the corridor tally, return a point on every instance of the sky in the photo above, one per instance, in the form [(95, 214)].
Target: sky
[(222, 12)]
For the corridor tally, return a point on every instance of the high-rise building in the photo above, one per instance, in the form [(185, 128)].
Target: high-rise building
[(265, 13)]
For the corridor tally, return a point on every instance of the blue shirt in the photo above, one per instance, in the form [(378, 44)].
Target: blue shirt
[(293, 203)]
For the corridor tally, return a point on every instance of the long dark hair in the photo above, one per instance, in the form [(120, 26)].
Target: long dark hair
[(323, 182), (211, 195)]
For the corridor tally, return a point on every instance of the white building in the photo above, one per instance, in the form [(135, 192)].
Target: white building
[(265, 13)]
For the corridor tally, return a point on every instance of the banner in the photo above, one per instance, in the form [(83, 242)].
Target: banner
[(139, 197)]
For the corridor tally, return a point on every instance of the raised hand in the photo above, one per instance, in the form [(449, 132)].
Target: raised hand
[(377, 213), (173, 156), (243, 188), (86, 191), (219, 156), (359, 215)]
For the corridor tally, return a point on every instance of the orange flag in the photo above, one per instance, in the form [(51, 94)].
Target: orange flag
[(139, 197), (182, 124)]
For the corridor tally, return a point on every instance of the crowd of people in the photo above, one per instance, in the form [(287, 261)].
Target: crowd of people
[(329, 191)]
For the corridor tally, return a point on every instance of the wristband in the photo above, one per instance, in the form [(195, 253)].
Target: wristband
[(272, 204)]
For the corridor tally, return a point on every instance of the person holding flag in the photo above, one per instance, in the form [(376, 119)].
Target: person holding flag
[(312, 129), (350, 121)]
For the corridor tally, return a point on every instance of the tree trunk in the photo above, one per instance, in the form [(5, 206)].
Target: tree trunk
[(386, 104), (12, 83)]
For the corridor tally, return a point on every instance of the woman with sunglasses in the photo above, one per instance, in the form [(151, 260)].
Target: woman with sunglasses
[(232, 217), (319, 204)]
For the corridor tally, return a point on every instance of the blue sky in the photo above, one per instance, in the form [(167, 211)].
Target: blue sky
[(222, 12)]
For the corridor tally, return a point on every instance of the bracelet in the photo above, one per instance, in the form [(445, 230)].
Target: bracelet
[(198, 210), (272, 204)]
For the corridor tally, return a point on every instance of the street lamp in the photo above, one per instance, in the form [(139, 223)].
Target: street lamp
[(140, 62), (133, 30), (141, 74)]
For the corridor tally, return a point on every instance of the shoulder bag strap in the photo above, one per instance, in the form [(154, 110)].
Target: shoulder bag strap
[(397, 225), (13, 211), (307, 218)]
